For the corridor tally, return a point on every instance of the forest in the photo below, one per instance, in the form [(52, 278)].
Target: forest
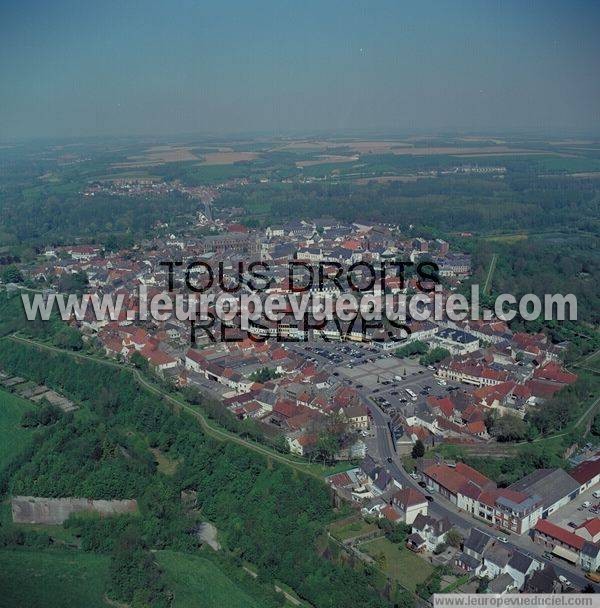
[(258, 507)]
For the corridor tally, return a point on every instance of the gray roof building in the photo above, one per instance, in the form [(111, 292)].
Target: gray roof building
[(551, 485)]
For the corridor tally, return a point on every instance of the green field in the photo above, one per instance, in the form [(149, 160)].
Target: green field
[(51, 578), (196, 581), (398, 562), (12, 436)]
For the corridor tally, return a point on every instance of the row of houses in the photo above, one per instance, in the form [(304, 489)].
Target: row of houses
[(517, 508)]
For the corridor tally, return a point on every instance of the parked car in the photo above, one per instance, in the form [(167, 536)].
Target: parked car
[(422, 484)]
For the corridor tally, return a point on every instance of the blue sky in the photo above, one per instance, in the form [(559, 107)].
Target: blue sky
[(78, 68)]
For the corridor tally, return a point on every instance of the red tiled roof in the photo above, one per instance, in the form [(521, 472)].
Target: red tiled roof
[(446, 476), (157, 357), (340, 480), (444, 404), (471, 474), (490, 497), (586, 470), (477, 427), (555, 373), (390, 513), (194, 355), (543, 388), (591, 525), (560, 534), (407, 497), (285, 408)]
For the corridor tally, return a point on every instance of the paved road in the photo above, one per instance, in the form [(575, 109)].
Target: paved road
[(385, 445), (441, 507)]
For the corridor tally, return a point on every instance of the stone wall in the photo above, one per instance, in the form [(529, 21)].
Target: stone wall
[(36, 510)]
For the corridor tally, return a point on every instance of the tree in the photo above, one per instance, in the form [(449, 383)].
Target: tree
[(509, 428), (454, 538), (264, 374), (139, 361), (68, 338), (418, 450), (11, 274), (410, 350), (328, 445), (44, 416), (76, 282), (435, 355)]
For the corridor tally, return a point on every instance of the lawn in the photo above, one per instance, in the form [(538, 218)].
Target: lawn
[(398, 562), (61, 579), (196, 581), (13, 437), (345, 528)]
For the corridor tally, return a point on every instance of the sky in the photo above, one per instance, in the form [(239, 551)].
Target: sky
[(73, 68)]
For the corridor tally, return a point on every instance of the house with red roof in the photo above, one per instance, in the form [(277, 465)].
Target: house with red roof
[(469, 372), (478, 429), (302, 443), (581, 547), (509, 509), (590, 530), (554, 372), (390, 514), (442, 406), (194, 360), (473, 492), (409, 503), (158, 359), (587, 474), (558, 540)]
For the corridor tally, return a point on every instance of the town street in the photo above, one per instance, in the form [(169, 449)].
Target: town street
[(440, 507)]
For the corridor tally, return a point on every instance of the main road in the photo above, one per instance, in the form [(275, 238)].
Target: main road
[(441, 507)]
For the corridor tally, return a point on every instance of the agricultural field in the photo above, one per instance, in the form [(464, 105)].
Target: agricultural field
[(398, 562), (12, 436), (227, 158), (61, 579), (196, 581)]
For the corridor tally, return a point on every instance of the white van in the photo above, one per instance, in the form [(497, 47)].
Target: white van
[(586, 504), (596, 494)]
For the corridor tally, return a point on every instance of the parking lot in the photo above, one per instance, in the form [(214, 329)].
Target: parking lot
[(378, 375), (574, 514), (377, 370)]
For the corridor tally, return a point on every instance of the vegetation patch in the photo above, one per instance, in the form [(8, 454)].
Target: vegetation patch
[(195, 580), (61, 579), (13, 437), (350, 528), (398, 562)]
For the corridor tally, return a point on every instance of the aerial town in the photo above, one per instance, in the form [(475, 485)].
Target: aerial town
[(375, 399), (299, 304)]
